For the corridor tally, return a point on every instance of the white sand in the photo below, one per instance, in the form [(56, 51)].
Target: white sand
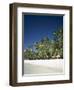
[(44, 66)]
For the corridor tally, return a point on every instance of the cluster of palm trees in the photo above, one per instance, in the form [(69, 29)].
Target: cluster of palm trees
[(46, 48)]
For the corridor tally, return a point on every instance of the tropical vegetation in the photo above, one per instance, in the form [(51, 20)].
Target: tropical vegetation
[(46, 48)]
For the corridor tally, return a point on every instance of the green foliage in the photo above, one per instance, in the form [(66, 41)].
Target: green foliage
[(46, 48), (58, 41)]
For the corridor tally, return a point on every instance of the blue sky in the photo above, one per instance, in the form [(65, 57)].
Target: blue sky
[(40, 26)]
